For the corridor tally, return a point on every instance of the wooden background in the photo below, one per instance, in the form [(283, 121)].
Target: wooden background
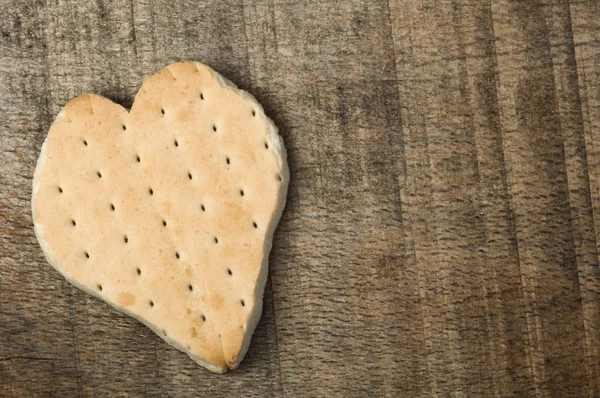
[(442, 225)]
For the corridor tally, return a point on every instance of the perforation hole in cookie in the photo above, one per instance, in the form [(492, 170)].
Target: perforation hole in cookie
[(112, 207), (60, 190), (279, 178), (125, 239), (229, 272), (242, 192), (254, 224), (203, 318), (162, 111), (86, 254), (177, 255), (202, 207), (85, 142), (216, 240), (99, 174), (175, 142), (266, 145), (242, 302), (164, 223), (253, 112), (151, 303), (73, 222), (137, 157), (124, 127), (99, 287), (138, 271), (214, 128), (191, 288), (202, 96), (190, 175), (228, 160), (151, 191)]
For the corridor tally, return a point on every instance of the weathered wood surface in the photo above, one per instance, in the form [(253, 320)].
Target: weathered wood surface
[(441, 231)]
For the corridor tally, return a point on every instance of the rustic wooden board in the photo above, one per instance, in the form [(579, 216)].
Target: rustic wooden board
[(440, 236)]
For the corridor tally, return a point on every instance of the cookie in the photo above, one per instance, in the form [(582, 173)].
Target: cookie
[(167, 212)]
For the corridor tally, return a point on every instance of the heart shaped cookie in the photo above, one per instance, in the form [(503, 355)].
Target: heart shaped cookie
[(167, 212)]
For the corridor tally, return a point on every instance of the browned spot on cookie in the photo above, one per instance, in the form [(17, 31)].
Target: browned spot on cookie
[(217, 301), (126, 299), (232, 359), (194, 332)]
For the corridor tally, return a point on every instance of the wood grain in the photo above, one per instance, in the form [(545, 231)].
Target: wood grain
[(440, 236)]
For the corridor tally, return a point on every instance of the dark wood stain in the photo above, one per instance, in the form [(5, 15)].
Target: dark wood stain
[(440, 236)]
